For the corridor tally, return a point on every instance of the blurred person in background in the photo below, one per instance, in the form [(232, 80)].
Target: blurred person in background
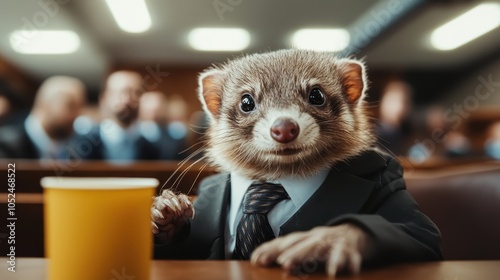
[(117, 138), (47, 131), (492, 145), (437, 139), (457, 144), (87, 120), (177, 117), (425, 145), (394, 125), (12, 109), (154, 125)]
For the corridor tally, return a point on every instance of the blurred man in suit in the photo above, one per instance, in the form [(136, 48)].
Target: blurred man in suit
[(47, 131), (117, 138), (154, 126), (394, 126)]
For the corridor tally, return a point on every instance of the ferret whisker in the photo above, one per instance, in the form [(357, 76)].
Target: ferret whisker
[(193, 154), (180, 165), (194, 145), (202, 132), (387, 150), (198, 132), (169, 178), (198, 126), (183, 173), (197, 176)]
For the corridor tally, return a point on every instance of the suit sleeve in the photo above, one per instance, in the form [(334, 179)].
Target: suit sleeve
[(203, 237), (174, 249), (400, 232)]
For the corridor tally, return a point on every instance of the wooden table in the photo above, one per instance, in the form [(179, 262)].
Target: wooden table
[(35, 268)]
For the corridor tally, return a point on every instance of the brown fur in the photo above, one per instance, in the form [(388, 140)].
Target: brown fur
[(278, 80)]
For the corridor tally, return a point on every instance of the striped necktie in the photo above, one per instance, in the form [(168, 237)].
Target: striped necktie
[(253, 228)]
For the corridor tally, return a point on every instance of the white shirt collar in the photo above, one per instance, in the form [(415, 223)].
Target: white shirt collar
[(299, 189), (47, 148)]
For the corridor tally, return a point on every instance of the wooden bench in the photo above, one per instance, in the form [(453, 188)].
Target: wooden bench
[(29, 193)]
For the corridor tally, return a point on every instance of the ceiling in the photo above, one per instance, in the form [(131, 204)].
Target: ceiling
[(404, 43)]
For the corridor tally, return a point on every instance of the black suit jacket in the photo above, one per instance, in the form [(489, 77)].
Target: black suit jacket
[(91, 147), (15, 142), (368, 191)]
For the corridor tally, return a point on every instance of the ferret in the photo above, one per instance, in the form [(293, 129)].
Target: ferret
[(286, 115), (274, 115)]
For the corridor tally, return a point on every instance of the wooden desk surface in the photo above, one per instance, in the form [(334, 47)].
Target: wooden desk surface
[(35, 269)]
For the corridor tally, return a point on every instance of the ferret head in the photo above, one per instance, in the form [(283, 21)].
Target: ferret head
[(284, 113)]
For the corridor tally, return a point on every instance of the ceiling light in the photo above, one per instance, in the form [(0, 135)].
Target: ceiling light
[(44, 41), (130, 15), (321, 39), (219, 39), (466, 27)]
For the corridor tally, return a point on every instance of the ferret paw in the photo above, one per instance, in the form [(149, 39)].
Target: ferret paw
[(169, 213)]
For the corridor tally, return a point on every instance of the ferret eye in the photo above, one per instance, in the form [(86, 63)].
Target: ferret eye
[(316, 97), (247, 103)]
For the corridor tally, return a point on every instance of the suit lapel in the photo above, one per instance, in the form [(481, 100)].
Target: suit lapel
[(213, 200), (339, 194), (207, 228)]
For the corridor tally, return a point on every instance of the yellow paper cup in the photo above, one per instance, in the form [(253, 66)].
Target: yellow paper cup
[(98, 228)]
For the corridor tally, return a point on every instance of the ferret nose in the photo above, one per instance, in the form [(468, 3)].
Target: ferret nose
[(284, 130)]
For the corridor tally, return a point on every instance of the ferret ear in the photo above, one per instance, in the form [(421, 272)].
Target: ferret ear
[(210, 91), (353, 79)]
